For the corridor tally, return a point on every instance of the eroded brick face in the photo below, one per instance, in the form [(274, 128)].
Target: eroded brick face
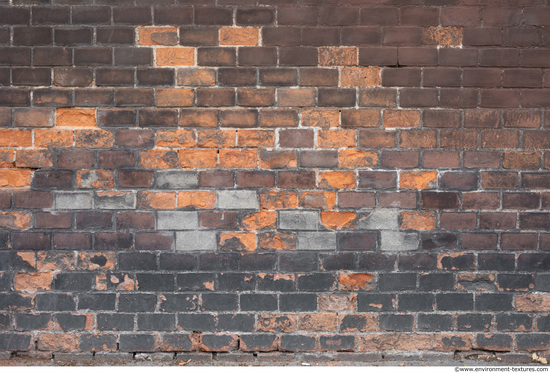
[(292, 176)]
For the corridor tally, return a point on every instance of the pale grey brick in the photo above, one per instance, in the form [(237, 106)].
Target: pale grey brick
[(316, 241), (237, 199), (73, 201), (196, 241), (398, 241), (176, 180), (299, 220), (177, 220), (115, 200), (383, 219)]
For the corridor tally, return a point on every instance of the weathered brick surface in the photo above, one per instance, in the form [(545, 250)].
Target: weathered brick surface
[(222, 178)]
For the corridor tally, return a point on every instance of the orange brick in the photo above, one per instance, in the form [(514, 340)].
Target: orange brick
[(277, 241), (354, 118), (97, 179), (94, 139), (336, 302), (239, 35), (215, 138), (201, 158), (260, 220), (33, 281), (276, 200), (401, 118), (279, 118), (533, 302), (444, 36), (317, 322), (16, 138), (256, 138), (318, 200), (172, 97), (337, 179), (68, 117), (336, 138), (158, 159), (337, 56), (278, 159), (420, 221), (15, 219), (197, 199), (359, 76), (351, 158), (356, 281), (7, 158), (52, 138), (239, 241), (158, 35), (238, 158), (57, 342), (181, 56), (12, 178), (176, 138), (320, 117), (376, 342), (418, 179), (196, 77), (157, 200), (33, 159), (337, 219), (27, 258), (414, 342), (296, 97)]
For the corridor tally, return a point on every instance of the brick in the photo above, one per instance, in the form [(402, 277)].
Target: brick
[(212, 56)]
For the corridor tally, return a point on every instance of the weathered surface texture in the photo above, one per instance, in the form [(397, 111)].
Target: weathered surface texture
[(243, 177)]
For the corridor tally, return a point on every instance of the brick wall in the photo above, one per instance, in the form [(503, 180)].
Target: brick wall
[(293, 175)]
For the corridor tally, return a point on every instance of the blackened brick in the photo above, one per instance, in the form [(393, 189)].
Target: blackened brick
[(195, 281), (197, 322), (68, 321), (298, 262), (236, 282), (264, 262), (138, 342), (431, 322), (367, 302), (396, 322), (37, 321), (137, 261), (132, 15), (219, 302), (97, 301), (137, 302), (116, 321), (155, 282), (301, 302), (236, 322), (74, 281), (397, 281), (454, 302), (219, 262), (133, 56), (54, 302), (178, 302), (297, 343), (156, 321), (258, 302)]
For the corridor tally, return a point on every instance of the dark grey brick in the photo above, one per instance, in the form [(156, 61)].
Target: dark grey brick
[(494, 302), (115, 321), (431, 322), (375, 302), (68, 321), (454, 302), (236, 281), (474, 322), (178, 302), (297, 343), (197, 322), (97, 342), (97, 301), (138, 342), (258, 302), (74, 281), (15, 342), (137, 302), (156, 321), (54, 302), (155, 282), (397, 281), (238, 322), (196, 281), (219, 302), (415, 302), (396, 322), (38, 321), (298, 302)]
